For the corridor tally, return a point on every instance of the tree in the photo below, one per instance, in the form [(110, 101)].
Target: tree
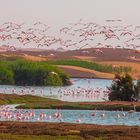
[(123, 88), (137, 89), (66, 79)]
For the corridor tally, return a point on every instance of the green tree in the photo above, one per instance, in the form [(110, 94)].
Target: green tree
[(137, 89), (123, 88), (65, 79)]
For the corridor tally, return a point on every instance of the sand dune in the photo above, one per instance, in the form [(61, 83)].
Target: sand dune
[(34, 58), (87, 58), (108, 54)]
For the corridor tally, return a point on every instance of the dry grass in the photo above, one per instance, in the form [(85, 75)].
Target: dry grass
[(86, 58), (85, 131), (25, 56), (135, 66)]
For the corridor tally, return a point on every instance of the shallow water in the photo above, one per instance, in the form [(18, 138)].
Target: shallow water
[(74, 116), (85, 116), (54, 92)]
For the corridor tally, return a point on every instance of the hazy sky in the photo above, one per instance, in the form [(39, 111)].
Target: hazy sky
[(59, 13), (66, 11)]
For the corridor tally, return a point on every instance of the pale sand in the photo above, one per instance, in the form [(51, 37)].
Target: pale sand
[(34, 58), (87, 58)]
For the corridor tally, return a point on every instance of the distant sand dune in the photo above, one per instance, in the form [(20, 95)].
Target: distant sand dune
[(135, 67), (88, 58), (34, 58)]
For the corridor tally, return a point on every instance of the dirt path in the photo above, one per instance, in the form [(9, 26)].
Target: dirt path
[(74, 70)]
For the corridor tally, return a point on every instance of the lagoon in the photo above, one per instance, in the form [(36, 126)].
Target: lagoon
[(70, 116), (82, 90)]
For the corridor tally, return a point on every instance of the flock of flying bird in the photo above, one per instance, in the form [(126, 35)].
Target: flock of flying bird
[(78, 35)]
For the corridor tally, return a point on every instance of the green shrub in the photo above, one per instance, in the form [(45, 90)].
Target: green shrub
[(124, 89), (29, 73)]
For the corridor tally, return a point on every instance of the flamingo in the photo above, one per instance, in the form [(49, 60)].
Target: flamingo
[(132, 111), (78, 121)]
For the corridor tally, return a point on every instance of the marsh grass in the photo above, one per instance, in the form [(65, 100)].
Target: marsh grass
[(36, 102), (66, 131)]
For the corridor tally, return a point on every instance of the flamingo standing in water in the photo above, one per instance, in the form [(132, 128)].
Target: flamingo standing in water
[(102, 115), (132, 111), (78, 121)]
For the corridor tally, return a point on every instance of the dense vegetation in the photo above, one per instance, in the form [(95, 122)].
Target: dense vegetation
[(92, 65), (124, 89), (25, 73)]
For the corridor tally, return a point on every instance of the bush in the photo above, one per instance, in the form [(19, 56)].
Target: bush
[(27, 73), (123, 88), (6, 76)]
